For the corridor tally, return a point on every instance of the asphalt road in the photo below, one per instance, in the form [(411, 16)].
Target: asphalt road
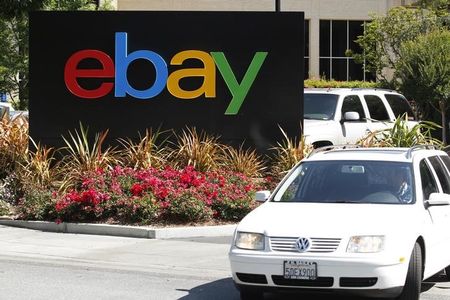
[(39, 265)]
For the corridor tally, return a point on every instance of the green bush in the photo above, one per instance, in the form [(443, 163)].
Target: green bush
[(36, 204), (4, 208), (141, 210), (320, 83), (232, 210), (187, 208)]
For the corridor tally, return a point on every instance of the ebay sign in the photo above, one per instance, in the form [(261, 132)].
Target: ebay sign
[(123, 59), (237, 75)]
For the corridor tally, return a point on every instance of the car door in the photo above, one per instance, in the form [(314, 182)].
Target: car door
[(353, 130), (440, 214)]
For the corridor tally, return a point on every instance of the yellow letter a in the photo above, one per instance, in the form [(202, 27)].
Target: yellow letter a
[(208, 73)]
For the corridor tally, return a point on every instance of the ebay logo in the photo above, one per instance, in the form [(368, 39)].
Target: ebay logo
[(118, 68)]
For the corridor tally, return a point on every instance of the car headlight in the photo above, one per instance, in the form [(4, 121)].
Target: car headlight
[(366, 244), (251, 241)]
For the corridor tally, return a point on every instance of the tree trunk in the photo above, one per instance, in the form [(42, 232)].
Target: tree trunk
[(444, 122)]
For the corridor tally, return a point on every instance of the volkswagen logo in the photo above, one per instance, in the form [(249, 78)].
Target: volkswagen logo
[(302, 244)]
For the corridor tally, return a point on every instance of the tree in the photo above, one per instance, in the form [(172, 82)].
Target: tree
[(424, 72), (14, 41), (384, 35)]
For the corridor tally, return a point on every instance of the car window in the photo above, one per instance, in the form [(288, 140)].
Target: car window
[(399, 106), (428, 183), (446, 160), (353, 103), (349, 182), (376, 107), (319, 106), (441, 173)]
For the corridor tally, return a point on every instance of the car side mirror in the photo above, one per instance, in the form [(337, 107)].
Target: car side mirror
[(262, 196), (351, 116), (438, 199)]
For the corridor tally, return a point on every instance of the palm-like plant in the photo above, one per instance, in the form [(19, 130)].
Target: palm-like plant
[(13, 144), (39, 169), (288, 153), (244, 161), (402, 135), (85, 157), (200, 150), (144, 154)]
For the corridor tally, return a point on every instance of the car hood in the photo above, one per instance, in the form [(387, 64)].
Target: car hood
[(327, 220), (314, 125)]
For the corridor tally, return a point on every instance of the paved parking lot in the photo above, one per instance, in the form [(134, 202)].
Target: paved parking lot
[(71, 266)]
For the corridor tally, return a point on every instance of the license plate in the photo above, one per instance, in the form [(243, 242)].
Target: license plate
[(294, 269)]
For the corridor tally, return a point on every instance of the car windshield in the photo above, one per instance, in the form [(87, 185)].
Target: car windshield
[(348, 182), (319, 106)]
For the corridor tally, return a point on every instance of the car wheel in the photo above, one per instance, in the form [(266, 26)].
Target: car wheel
[(411, 289), (447, 272), (251, 293)]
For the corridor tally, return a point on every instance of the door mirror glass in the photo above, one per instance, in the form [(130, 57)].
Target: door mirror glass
[(438, 199), (351, 116), (262, 196)]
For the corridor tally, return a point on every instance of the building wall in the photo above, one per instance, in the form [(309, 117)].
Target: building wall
[(315, 10)]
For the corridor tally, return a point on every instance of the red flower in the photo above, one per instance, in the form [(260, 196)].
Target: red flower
[(137, 189)]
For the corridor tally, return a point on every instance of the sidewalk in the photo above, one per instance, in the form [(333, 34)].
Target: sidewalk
[(145, 232)]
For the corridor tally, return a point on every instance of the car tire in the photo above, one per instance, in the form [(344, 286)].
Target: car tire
[(251, 293), (411, 289), (447, 273)]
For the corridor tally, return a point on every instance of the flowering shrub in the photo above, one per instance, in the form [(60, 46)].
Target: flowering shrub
[(144, 196)]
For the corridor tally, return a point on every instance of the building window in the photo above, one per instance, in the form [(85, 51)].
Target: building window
[(335, 38), (306, 49)]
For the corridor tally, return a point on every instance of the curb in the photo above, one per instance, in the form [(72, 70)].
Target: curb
[(124, 231)]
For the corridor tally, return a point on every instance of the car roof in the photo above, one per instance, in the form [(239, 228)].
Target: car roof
[(373, 154), (347, 90)]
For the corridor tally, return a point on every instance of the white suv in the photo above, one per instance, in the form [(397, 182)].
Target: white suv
[(365, 221), (343, 116)]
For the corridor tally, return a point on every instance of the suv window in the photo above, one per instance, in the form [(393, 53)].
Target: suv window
[(376, 107), (439, 168), (320, 106), (400, 106), (428, 184), (353, 103), (446, 160)]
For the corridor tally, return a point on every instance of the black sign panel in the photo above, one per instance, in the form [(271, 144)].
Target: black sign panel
[(238, 75)]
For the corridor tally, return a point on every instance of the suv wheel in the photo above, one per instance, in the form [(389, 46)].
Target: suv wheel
[(411, 289)]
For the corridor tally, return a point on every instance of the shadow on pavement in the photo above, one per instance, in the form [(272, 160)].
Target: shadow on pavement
[(224, 289)]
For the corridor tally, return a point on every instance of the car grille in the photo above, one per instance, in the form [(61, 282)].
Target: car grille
[(318, 245), (319, 282)]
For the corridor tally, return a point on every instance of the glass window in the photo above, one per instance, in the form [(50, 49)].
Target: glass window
[(339, 69), (441, 173), (339, 38), (446, 160), (377, 110), (324, 38), (428, 183), (324, 68), (349, 182), (355, 71), (400, 106), (336, 36), (353, 103), (319, 106)]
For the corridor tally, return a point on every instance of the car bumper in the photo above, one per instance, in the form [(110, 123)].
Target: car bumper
[(373, 276)]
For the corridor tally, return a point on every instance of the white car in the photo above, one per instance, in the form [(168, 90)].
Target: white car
[(366, 221), (343, 116)]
